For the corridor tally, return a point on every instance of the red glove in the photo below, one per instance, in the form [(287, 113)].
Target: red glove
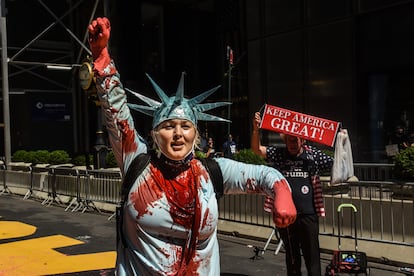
[(99, 33), (284, 212)]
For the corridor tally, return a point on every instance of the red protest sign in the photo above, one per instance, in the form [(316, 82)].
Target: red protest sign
[(294, 123)]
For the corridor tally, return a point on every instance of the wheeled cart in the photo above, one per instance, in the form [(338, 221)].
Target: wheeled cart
[(347, 262)]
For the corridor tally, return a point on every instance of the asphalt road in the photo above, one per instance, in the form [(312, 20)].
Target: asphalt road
[(47, 240)]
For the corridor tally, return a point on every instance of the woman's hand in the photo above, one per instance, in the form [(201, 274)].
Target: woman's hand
[(284, 210), (99, 33), (256, 121)]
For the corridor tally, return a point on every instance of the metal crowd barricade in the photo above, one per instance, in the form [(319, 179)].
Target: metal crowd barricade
[(18, 176), (103, 186), (38, 180), (79, 202), (248, 209), (374, 171), (62, 181), (387, 207), (384, 209), (245, 208)]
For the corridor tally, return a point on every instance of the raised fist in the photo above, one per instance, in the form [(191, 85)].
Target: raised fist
[(99, 33)]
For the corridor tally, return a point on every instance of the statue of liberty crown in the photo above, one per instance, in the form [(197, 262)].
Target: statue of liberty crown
[(177, 107)]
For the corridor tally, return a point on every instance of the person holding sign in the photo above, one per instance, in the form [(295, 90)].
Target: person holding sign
[(301, 165)]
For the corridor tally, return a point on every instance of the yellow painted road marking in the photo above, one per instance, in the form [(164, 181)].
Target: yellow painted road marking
[(15, 229), (38, 257)]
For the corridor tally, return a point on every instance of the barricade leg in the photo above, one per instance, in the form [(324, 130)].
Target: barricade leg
[(90, 204), (279, 244), (73, 201), (5, 189), (111, 216), (28, 194)]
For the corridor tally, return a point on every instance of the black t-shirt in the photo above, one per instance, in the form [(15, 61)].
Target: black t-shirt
[(297, 170), (314, 162)]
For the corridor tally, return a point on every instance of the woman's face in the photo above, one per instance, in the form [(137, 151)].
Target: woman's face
[(175, 138)]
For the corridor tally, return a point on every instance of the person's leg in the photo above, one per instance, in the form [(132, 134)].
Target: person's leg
[(310, 244), (292, 248)]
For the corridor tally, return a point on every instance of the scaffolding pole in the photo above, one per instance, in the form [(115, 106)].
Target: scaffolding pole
[(5, 83)]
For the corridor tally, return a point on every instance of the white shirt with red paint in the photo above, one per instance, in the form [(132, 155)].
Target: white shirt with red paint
[(170, 218)]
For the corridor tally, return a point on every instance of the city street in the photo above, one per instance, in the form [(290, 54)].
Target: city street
[(47, 240)]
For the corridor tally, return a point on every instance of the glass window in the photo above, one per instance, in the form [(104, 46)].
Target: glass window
[(366, 5), (282, 15), (330, 71), (153, 37), (285, 70), (255, 75), (253, 19), (323, 10)]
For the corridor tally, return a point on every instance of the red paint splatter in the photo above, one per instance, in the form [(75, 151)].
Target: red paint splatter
[(148, 192), (203, 173), (185, 210), (115, 82), (206, 219), (251, 186), (128, 137), (107, 83), (191, 268)]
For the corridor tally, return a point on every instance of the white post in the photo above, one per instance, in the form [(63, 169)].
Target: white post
[(230, 61), (229, 100)]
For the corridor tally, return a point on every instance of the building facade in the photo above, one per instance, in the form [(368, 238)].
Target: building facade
[(349, 61)]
